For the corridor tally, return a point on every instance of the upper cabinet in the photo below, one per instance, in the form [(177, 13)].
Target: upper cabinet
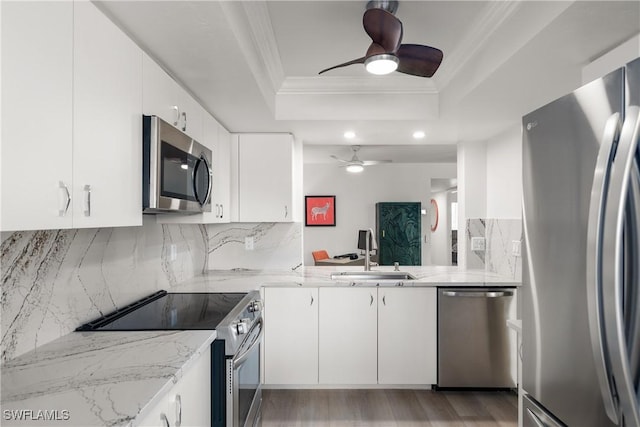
[(71, 115), (265, 177), (163, 97), (107, 122), (37, 81)]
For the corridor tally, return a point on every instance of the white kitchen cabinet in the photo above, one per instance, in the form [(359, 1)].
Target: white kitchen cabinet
[(407, 335), (348, 336), (37, 79), (188, 402), (291, 336), (222, 175), (265, 177), (190, 399), (163, 97), (218, 139), (158, 415), (107, 122)]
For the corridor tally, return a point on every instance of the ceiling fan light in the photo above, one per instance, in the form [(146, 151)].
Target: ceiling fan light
[(355, 168), (381, 64)]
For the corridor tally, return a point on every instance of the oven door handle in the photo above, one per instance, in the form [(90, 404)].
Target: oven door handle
[(241, 358)]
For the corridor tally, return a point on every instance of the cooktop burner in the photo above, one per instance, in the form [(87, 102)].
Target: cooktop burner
[(169, 311)]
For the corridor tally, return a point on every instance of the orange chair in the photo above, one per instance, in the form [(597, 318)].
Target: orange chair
[(319, 255)]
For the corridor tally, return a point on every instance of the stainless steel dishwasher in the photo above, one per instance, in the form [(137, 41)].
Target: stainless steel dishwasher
[(475, 347)]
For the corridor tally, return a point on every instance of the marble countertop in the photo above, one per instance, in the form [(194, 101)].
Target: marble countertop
[(98, 378), (246, 280)]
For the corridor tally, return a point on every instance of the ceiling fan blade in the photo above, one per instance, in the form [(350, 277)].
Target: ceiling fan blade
[(418, 60), (375, 162), (339, 159), (355, 61), (383, 28)]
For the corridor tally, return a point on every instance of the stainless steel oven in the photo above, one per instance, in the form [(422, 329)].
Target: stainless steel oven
[(236, 355), (176, 170)]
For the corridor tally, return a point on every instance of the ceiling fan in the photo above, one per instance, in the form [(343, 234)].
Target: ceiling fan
[(386, 53), (356, 165)]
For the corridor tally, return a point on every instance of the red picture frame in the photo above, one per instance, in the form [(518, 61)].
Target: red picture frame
[(320, 211)]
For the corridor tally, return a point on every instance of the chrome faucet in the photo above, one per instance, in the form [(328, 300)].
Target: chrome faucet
[(369, 241)]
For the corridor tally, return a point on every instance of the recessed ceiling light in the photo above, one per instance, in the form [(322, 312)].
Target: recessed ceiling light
[(418, 134), (349, 134)]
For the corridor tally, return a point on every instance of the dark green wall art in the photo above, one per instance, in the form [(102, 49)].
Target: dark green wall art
[(399, 230)]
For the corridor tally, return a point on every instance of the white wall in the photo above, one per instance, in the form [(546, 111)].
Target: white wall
[(472, 189), (504, 175), (356, 196)]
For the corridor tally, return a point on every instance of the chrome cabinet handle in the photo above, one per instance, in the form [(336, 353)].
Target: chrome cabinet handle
[(594, 260), (178, 410), (310, 304), (87, 211), (613, 262), (217, 210), (371, 303), (184, 123), (384, 299), (165, 420), (286, 211), (221, 211), (177, 110), (62, 185)]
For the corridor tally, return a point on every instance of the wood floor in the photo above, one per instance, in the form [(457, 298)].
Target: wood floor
[(388, 408)]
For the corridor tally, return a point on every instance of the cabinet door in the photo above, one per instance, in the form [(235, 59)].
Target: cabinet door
[(158, 415), (348, 336), (407, 336), (160, 93), (223, 174), (265, 177), (191, 116), (37, 61), (107, 125), (189, 401), (291, 336)]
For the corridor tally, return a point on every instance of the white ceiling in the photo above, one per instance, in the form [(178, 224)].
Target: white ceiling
[(254, 64)]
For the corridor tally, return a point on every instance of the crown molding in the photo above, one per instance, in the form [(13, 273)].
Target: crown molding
[(356, 85), (495, 14), (252, 28)]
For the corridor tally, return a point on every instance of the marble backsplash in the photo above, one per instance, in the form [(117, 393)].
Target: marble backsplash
[(52, 281), (499, 235), (275, 246)]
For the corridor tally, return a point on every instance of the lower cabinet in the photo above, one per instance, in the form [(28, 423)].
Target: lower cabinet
[(407, 335), (348, 336), (188, 403), (291, 336)]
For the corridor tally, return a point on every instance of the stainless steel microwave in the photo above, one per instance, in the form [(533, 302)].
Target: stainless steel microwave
[(176, 170)]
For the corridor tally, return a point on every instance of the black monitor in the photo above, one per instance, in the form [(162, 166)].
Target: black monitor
[(362, 240)]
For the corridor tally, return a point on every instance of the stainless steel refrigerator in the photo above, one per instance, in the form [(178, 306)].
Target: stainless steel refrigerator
[(581, 270)]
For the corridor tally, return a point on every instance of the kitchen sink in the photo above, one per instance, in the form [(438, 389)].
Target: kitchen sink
[(355, 276)]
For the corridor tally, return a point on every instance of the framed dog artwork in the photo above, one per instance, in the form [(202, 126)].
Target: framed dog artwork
[(320, 211)]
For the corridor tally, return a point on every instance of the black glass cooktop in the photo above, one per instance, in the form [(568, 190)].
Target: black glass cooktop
[(169, 311)]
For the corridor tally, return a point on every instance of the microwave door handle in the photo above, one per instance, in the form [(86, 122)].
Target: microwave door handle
[(210, 186), (239, 359), (612, 267)]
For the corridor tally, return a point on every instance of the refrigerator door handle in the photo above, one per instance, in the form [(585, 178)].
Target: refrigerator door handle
[(633, 334), (613, 263), (594, 260)]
